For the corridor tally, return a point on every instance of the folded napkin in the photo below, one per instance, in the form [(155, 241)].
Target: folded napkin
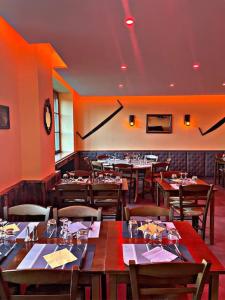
[(76, 226), (158, 254), (59, 258), (12, 227), (152, 228)]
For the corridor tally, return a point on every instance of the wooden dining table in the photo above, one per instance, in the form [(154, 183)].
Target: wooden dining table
[(138, 167), (168, 191), (118, 272), (91, 270)]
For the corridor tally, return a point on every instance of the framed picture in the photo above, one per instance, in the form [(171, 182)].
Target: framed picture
[(4, 117), (156, 123)]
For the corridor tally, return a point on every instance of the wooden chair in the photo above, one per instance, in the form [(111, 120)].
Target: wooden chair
[(26, 211), (110, 172), (71, 194), (107, 196), (151, 174), (168, 174), (78, 212), (51, 283), (193, 203), (87, 163), (151, 157), (96, 166), (127, 172), (148, 211), (102, 156), (164, 280)]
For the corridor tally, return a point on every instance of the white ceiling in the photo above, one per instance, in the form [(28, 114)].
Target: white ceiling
[(168, 37)]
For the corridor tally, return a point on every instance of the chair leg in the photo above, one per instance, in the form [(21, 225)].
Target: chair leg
[(195, 223)]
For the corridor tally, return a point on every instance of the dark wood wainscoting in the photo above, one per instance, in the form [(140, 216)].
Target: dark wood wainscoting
[(200, 163), (28, 191)]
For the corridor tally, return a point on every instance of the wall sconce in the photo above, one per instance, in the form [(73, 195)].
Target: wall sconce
[(187, 119), (131, 120)]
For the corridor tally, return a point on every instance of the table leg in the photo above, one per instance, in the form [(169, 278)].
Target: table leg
[(166, 196), (96, 282), (211, 224), (157, 195), (214, 287), (112, 287)]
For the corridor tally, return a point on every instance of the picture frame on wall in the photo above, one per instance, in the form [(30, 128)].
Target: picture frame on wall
[(159, 123), (4, 117)]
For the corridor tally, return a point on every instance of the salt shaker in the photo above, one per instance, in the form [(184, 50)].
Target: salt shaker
[(34, 234)]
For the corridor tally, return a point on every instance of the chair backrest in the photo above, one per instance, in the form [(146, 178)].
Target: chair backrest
[(168, 174), (71, 192), (102, 156), (80, 173), (26, 210), (44, 277), (125, 169), (78, 212), (87, 163), (105, 191), (96, 166), (168, 279), (160, 167), (151, 157), (196, 192), (147, 211), (112, 173)]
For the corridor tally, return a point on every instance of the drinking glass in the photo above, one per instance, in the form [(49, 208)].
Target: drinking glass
[(174, 176), (133, 228), (51, 227), (185, 175), (82, 237), (173, 236), (194, 178)]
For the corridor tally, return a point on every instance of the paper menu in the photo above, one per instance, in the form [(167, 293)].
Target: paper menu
[(59, 258)]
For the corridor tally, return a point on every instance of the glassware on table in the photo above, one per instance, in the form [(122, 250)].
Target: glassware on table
[(82, 236), (133, 228), (51, 228), (65, 177), (174, 176), (185, 175), (173, 236), (194, 178), (117, 179)]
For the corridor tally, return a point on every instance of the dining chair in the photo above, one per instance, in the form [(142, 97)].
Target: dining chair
[(102, 156), (193, 203), (151, 174), (107, 196), (87, 163), (127, 172), (151, 157), (96, 166), (168, 280), (26, 211), (67, 194), (110, 172), (169, 174), (78, 212), (148, 211), (42, 284)]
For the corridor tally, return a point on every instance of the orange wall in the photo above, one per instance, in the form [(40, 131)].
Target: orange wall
[(117, 134), (26, 151)]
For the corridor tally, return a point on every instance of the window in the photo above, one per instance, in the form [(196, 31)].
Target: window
[(57, 123)]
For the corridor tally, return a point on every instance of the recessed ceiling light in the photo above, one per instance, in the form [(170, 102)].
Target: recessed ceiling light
[(129, 21), (172, 84), (223, 84), (123, 67), (196, 66), (120, 85)]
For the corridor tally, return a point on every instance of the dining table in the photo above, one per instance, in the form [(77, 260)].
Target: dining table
[(139, 166), (172, 190), (118, 272), (91, 268)]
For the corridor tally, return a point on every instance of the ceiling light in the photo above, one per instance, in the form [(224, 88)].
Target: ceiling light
[(172, 84), (123, 67), (129, 21), (196, 66), (223, 84), (120, 85)]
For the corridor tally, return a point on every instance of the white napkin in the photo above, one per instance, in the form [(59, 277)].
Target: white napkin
[(158, 254), (76, 226)]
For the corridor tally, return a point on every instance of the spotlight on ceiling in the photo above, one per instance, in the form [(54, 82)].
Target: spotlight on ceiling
[(196, 66), (123, 67), (129, 21), (120, 85), (172, 84)]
